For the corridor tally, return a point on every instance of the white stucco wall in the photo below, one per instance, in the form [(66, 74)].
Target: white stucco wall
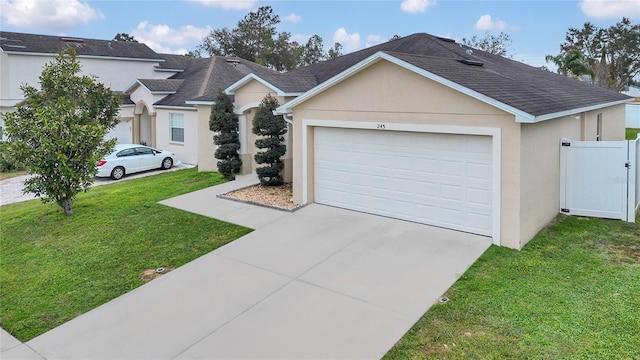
[(633, 115), (18, 69), (187, 152)]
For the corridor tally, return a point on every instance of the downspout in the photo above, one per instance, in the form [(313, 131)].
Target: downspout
[(284, 116), (288, 120)]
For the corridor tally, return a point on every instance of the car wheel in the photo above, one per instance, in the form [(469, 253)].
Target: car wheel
[(117, 173), (167, 163)]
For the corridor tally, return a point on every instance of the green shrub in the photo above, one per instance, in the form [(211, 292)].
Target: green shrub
[(271, 128), (7, 162)]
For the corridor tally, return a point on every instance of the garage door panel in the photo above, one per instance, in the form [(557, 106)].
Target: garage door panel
[(477, 171), (478, 196), (437, 179)]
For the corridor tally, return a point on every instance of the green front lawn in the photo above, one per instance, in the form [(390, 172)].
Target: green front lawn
[(55, 267), (632, 134), (573, 292)]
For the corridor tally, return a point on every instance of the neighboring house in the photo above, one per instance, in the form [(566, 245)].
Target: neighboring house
[(427, 130), (167, 99), (173, 114), (633, 108), (115, 64)]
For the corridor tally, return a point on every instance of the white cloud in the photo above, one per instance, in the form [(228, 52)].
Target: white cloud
[(164, 39), (349, 42), (486, 23), (292, 18), (610, 9), (373, 40), (300, 38), (57, 15), (228, 4), (416, 6)]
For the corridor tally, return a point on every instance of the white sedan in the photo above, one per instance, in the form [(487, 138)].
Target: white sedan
[(133, 158)]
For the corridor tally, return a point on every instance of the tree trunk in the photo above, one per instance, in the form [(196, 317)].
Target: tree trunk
[(65, 204)]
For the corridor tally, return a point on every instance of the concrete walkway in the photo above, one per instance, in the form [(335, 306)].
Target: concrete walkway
[(319, 283)]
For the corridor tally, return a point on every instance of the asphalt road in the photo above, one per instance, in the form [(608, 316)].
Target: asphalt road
[(11, 189)]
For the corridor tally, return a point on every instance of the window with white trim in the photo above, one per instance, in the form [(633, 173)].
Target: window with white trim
[(177, 127)]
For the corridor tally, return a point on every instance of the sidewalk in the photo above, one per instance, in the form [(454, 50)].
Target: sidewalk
[(12, 348)]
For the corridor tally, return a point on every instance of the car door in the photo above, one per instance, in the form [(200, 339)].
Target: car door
[(147, 158), (128, 158)]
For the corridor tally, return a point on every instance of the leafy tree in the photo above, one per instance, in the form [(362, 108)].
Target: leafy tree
[(124, 37), (335, 52), (272, 129), (255, 38), (224, 122), (195, 54), (58, 131), (613, 54), (493, 44), (572, 63), (312, 52)]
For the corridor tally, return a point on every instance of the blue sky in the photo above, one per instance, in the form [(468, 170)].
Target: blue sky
[(537, 28)]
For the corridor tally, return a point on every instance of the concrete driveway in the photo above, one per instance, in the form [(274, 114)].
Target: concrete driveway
[(319, 283)]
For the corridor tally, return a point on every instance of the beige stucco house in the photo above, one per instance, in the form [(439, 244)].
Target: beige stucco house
[(426, 130)]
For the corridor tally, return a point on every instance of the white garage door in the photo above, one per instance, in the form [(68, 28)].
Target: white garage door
[(122, 132), (437, 179)]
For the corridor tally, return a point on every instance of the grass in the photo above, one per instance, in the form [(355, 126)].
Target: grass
[(571, 293), (9, 174), (632, 134), (55, 267)]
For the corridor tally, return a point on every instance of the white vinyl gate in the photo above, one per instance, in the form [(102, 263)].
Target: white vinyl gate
[(599, 178)]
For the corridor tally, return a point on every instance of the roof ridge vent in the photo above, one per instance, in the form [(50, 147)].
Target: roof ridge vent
[(72, 39), (446, 39), (471, 62), (233, 61)]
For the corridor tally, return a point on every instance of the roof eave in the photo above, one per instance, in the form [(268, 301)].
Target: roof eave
[(164, 92), (570, 112), (196, 102), (174, 107), (27, 53)]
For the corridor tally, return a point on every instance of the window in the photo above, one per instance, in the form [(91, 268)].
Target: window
[(177, 127), (144, 151), (126, 152), (599, 127)]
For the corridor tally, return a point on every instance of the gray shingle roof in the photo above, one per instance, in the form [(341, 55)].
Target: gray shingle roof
[(526, 88), (173, 62), (46, 44), (203, 77), (162, 85)]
